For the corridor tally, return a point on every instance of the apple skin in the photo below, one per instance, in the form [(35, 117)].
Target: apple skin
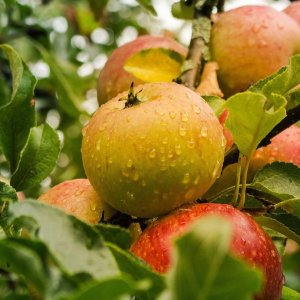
[(113, 79), (249, 242), (284, 147), (250, 43), (293, 10), (77, 197), (150, 158)]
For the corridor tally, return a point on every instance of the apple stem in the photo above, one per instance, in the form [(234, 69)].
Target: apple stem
[(238, 179), (132, 98), (244, 182)]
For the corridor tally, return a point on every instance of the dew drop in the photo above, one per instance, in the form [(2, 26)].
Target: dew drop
[(255, 28), (165, 141), (93, 207), (203, 132), (178, 149), (98, 146), (173, 164), (185, 117), (110, 160), (196, 180), (129, 163), (143, 183), (172, 114), (191, 143), (152, 153), (197, 109), (182, 131), (186, 178), (130, 196), (125, 173), (135, 176)]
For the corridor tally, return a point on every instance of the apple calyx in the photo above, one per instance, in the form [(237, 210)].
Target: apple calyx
[(132, 98)]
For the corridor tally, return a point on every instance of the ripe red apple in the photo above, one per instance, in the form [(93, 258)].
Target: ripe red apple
[(293, 10), (150, 157), (77, 197), (250, 43), (113, 79), (284, 147), (249, 242)]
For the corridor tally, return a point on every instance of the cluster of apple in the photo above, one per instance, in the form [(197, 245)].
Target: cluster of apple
[(153, 149)]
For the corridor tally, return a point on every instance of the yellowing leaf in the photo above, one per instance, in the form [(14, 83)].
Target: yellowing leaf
[(155, 65)]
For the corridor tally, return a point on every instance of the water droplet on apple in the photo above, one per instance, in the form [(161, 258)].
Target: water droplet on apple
[(196, 109), (178, 149), (172, 114), (165, 140), (110, 160), (135, 176), (191, 143), (203, 131), (185, 117), (162, 150), (186, 178), (129, 163), (125, 173), (255, 28), (196, 180), (182, 131), (143, 183), (152, 153)]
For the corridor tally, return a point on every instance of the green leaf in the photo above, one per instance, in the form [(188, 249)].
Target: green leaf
[(285, 82), (216, 103), (279, 179), (115, 234), (284, 223), (251, 117), (206, 273), (17, 116), (68, 100), (23, 261), (38, 157), (138, 270), (181, 11), (111, 288), (147, 4), (289, 294), (154, 65), (7, 193), (76, 246)]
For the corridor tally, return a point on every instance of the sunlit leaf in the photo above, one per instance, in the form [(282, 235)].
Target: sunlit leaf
[(154, 65)]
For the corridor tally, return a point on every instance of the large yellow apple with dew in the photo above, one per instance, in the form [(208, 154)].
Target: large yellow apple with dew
[(149, 152)]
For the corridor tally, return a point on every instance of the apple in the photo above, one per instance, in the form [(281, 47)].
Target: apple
[(113, 79), (293, 10), (149, 152), (77, 197), (249, 242), (284, 147), (250, 43)]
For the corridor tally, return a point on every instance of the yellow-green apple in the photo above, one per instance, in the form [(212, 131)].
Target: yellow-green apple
[(293, 10), (113, 78), (249, 242), (149, 152), (250, 43), (77, 197)]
